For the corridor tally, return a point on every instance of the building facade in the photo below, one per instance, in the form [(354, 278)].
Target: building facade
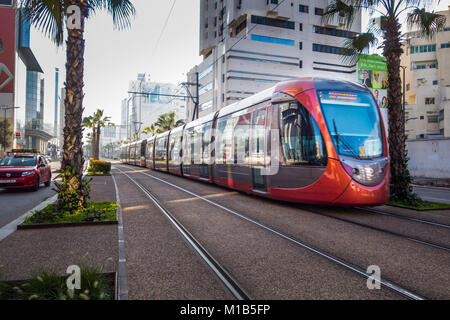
[(427, 81), (142, 110), (248, 46)]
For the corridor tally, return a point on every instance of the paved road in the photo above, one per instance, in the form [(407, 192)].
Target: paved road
[(433, 194), (14, 203)]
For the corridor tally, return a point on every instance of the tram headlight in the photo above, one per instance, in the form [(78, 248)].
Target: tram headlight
[(366, 172)]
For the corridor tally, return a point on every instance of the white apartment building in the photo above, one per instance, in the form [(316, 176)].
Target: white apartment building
[(427, 78), (140, 111), (250, 45)]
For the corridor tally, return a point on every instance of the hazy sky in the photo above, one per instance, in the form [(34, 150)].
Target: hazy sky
[(113, 58)]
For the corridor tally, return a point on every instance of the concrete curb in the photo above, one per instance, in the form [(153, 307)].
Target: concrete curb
[(122, 283), (12, 226)]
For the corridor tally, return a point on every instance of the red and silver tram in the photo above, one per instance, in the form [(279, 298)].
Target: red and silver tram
[(308, 140)]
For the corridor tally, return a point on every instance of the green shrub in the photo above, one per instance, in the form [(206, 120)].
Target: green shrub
[(48, 285), (94, 212), (99, 166)]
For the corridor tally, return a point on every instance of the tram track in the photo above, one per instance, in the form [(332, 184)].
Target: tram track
[(224, 276), (396, 234), (397, 289)]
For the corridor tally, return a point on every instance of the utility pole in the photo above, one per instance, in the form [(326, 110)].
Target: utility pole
[(404, 98)]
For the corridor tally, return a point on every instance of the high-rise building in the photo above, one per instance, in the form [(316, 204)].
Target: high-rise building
[(427, 81), (62, 119), (144, 109), (248, 46)]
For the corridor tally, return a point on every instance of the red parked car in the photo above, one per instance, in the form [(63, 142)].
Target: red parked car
[(24, 171)]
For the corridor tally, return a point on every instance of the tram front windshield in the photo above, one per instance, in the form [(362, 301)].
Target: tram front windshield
[(353, 122)]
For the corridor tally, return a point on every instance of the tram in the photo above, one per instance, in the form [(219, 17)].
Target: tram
[(306, 140)]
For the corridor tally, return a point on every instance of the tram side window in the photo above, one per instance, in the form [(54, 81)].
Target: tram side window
[(241, 137), (150, 150), (188, 149), (161, 149), (205, 143), (258, 148), (223, 140), (301, 140), (175, 143)]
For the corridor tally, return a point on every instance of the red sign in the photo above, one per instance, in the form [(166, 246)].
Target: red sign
[(7, 49)]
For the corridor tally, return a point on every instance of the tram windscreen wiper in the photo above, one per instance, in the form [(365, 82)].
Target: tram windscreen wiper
[(336, 136), (340, 140)]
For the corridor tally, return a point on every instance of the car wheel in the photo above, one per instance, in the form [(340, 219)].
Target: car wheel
[(47, 184), (36, 185)]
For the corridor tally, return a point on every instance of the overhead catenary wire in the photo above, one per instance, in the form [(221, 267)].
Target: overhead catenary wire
[(164, 28)]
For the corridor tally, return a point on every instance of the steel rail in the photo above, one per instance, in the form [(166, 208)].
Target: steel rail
[(376, 211), (390, 285), (427, 243), (225, 277)]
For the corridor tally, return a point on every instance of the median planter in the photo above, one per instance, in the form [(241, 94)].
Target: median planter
[(96, 213), (47, 285), (97, 167)]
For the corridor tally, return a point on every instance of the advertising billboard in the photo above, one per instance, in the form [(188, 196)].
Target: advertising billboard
[(7, 64), (372, 72)]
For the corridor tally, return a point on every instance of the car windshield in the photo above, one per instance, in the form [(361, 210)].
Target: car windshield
[(18, 162), (354, 123)]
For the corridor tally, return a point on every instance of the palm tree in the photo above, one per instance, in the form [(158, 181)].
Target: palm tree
[(150, 130), (96, 122), (167, 122), (88, 122), (344, 12), (50, 16)]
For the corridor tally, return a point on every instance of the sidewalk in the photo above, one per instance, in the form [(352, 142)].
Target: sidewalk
[(26, 251), (431, 182)]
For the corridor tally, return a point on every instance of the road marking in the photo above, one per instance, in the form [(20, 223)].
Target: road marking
[(122, 285), (12, 226)]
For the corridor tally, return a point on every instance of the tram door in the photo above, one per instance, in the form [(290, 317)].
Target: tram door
[(258, 152)]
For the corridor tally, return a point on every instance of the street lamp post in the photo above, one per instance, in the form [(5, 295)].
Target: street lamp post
[(404, 97), (5, 108)]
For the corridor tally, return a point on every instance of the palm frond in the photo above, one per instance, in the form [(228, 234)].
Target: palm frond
[(357, 45), (121, 10), (47, 16), (428, 23)]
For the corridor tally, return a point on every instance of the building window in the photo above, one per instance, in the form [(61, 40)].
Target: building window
[(445, 45), (274, 1), (303, 8), (223, 77), (301, 26), (441, 115), (300, 45), (435, 82), (287, 42), (334, 32), (318, 11), (241, 27), (429, 100), (330, 49), (422, 49), (300, 64), (433, 119), (422, 117), (206, 88), (408, 87), (273, 22)]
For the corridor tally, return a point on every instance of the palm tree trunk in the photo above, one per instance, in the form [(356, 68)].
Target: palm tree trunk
[(93, 143), (73, 131), (400, 178), (97, 144)]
